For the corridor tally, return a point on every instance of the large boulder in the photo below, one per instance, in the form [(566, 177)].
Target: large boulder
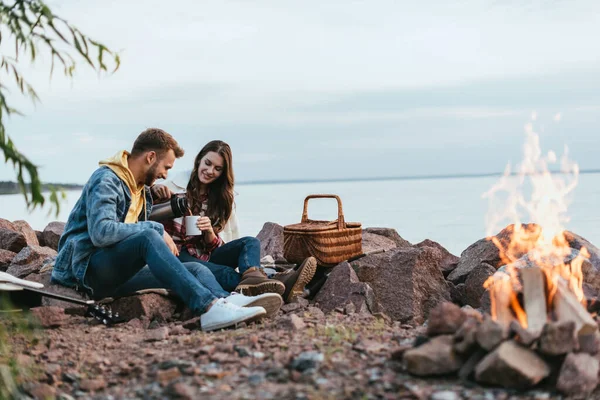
[(10, 237), (486, 250), (449, 260), (153, 306), (482, 251), (591, 269), (372, 243), (6, 257), (271, 241), (343, 288), (407, 282), (52, 233), (27, 231), (391, 234), (474, 289), (30, 260)]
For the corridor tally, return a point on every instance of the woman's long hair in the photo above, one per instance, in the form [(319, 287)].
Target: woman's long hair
[(220, 191)]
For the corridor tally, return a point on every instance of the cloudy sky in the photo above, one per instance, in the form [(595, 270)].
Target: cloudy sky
[(324, 89)]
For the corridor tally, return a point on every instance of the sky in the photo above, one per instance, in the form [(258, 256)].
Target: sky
[(323, 90)]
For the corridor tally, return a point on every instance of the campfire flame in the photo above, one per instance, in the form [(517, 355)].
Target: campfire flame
[(533, 193)]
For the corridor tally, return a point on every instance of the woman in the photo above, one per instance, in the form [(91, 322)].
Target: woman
[(209, 193)]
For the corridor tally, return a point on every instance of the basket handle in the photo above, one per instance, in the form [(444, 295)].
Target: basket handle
[(340, 219)]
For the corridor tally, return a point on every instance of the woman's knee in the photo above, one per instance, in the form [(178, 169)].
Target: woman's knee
[(251, 241), (197, 269)]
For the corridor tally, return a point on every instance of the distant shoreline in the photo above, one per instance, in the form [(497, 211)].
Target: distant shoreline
[(8, 187)]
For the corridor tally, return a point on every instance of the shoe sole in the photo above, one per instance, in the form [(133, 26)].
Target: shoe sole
[(271, 286), (271, 304), (247, 318), (308, 267)]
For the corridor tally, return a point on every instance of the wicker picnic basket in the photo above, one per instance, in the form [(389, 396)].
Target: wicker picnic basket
[(330, 242)]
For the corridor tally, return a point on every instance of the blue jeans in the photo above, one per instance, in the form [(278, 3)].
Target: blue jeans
[(120, 269), (242, 253)]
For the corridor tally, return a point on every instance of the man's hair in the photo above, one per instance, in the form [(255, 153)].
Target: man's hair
[(154, 139)]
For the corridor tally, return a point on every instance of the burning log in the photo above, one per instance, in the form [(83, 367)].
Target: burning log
[(501, 294), (534, 298), (568, 308)]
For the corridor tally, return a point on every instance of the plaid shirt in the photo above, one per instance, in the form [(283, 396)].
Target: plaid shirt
[(195, 245)]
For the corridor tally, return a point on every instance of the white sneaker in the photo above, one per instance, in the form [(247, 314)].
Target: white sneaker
[(271, 302), (223, 314)]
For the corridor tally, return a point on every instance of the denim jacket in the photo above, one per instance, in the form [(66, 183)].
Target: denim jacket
[(97, 221)]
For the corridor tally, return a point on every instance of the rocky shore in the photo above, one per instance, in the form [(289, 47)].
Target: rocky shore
[(390, 325)]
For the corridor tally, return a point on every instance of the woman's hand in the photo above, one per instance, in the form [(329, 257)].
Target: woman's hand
[(170, 243), (205, 225), (161, 193)]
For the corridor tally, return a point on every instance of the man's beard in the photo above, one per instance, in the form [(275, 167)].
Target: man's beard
[(150, 176)]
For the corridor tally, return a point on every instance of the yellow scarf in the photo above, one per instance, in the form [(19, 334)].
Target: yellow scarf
[(118, 163)]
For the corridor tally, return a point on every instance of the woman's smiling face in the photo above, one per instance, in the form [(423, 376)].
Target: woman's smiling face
[(210, 168)]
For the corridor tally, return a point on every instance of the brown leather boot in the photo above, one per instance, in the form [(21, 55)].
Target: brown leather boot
[(254, 282), (295, 279)]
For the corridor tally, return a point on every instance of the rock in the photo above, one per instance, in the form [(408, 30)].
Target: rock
[(523, 336), (445, 395), (291, 323), (457, 292), (6, 257), (192, 324), (449, 261), (589, 343), (41, 391), (40, 237), (474, 289), (578, 374), (271, 241), (181, 390), (490, 334), (45, 279), (92, 385), (50, 317), (481, 251), (557, 338), (343, 287), (52, 233), (10, 237), (29, 260), (308, 360), (485, 251), (149, 305), (445, 318), (512, 366), (407, 282), (391, 234), (372, 242), (464, 338), (157, 335), (435, 357), (27, 231), (591, 269), (291, 307)]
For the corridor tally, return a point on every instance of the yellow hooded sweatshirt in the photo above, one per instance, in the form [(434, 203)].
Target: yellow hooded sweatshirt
[(118, 163)]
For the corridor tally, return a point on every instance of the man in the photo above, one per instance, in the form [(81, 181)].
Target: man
[(108, 240)]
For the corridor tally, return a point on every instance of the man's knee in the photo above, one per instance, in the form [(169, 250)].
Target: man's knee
[(149, 237)]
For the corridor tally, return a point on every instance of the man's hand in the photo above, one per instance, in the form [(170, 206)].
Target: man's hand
[(170, 244), (161, 193)]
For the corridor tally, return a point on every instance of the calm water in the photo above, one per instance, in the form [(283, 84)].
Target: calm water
[(449, 211)]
